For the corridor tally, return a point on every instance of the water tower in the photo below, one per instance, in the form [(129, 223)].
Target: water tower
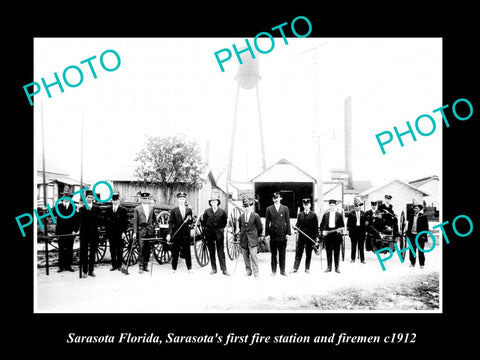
[(247, 79)]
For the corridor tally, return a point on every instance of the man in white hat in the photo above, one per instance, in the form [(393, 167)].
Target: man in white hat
[(214, 220), (356, 230)]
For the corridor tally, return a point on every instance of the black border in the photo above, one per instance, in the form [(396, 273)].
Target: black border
[(435, 332)]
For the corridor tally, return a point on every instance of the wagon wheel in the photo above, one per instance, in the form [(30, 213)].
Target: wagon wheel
[(200, 244), (128, 242), (233, 234), (161, 250), (402, 234), (101, 247)]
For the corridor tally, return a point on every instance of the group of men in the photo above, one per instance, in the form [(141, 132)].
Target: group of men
[(364, 229)]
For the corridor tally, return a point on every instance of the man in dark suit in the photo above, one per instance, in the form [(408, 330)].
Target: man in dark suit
[(66, 227), (417, 222), (356, 230), (214, 220), (331, 226), (375, 225), (89, 218), (388, 215), (117, 224), (307, 222), (179, 232), (143, 228), (277, 227), (250, 229)]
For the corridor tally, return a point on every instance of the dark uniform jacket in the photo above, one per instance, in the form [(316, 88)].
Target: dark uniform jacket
[(308, 224), (422, 225), (374, 224), (352, 222), (277, 223), (176, 220), (250, 230), (339, 223), (66, 226), (141, 225), (117, 222), (214, 223), (89, 221)]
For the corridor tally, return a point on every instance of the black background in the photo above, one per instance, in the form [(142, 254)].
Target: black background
[(46, 334)]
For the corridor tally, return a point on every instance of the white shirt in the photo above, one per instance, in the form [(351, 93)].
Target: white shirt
[(115, 208), (331, 220), (182, 211), (146, 210), (358, 217), (277, 206)]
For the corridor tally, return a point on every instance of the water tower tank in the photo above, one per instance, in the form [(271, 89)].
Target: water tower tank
[(248, 75)]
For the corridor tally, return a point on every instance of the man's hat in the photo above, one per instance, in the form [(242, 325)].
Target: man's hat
[(388, 197), (357, 202), (115, 196), (417, 204), (332, 201), (144, 194), (182, 194), (88, 192), (212, 198), (276, 194), (246, 202), (373, 202), (306, 201)]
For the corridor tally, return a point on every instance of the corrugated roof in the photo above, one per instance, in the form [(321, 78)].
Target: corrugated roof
[(422, 181)]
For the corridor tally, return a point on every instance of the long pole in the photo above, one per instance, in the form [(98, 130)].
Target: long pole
[(45, 232), (260, 127)]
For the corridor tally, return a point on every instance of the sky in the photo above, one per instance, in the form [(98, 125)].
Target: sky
[(167, 86)]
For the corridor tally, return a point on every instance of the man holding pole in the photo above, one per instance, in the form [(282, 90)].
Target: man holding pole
[(179, 232), (331, 226), (307, 225), (214, 220)]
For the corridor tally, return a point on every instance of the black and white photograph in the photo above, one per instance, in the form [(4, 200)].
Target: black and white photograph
[(300, 174), (293, 180)]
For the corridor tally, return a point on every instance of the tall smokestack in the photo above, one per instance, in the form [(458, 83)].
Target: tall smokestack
[(348, 141)]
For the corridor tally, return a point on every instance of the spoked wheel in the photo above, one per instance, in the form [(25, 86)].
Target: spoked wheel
[(402, 239), (233, 234), (130, 255), (161, 250), (101, 247), (200, 244)]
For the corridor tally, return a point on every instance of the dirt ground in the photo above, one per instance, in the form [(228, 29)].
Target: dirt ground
[(358, 288)]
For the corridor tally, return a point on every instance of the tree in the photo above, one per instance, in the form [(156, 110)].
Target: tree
[(170, 160)]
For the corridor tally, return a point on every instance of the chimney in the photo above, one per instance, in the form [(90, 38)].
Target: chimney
[(348, 141)]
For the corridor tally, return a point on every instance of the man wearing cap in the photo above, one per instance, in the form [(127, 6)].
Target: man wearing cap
[(89, 217), (388, 215), (250, 229), (66, 227), (214, 220), (307, 223), (117, 224), (179, 231), (331, 226), (142, 224), (277, 227), (356, 230), (375, 226), (417, 222)]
